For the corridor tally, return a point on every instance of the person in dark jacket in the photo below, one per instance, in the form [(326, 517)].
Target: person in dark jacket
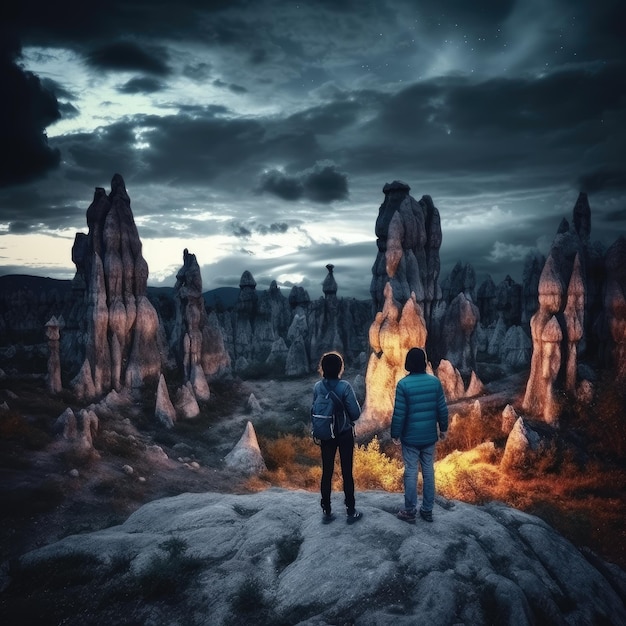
[(420, 419), (331, 369)]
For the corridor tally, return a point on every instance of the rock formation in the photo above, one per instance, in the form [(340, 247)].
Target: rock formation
[(475, 565), (53, 380), (615, 307), (271, 333), (118, 341), (458, 333), (408, 237), (560, 329), (546, 333), (164, 410), (246, 456), (405, 292), (196, 340), (394, 331)]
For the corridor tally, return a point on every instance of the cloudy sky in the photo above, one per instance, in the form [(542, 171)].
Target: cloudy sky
[(259, 134)]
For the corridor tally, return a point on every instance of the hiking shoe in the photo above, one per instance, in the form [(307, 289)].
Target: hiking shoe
[(353, 517), (406, 516), (327, 518), (427, 516)]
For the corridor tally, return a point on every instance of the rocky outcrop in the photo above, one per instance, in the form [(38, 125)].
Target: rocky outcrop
[(118, 339), (474, 565), (246, 456), (78, 429), (394, 331), (539, 399), (523, 445), (459, 333), (195, 339), (462, 279), (405, 294), (486, 302), (287, 335), (408, 237), (569, 290), (53, 380), (164, 410), (531, 273), (615, 308)]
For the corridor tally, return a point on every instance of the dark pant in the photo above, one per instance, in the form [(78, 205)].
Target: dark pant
[(345, 443)]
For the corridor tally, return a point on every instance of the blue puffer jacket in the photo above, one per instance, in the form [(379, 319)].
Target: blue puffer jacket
[(419, 406), (343, 389)]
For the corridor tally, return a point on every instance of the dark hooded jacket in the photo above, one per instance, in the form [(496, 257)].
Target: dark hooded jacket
[(420, 406)]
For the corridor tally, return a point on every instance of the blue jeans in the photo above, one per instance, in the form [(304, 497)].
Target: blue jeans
[(426, 457)]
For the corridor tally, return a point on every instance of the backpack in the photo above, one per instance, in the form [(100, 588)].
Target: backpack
[(323, 422)]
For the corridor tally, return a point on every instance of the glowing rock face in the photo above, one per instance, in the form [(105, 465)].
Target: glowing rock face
[(403, 288)]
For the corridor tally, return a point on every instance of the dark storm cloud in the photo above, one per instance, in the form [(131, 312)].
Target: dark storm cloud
[(281, 185), (616, 216), (273, 229), (46, 207), (234, 88), (239, 230), (244, 232), (323, 184), (125, 56), (143, 84), (26, 109), (538, 128), (68, 111), (603, 180), (83, 22), (352, 116)]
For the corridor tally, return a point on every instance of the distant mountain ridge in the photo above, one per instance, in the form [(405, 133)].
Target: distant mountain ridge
[(223, 297)]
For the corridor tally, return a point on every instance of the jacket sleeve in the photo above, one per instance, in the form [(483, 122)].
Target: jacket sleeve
[(442, 410), (399, 413), (350, 403)]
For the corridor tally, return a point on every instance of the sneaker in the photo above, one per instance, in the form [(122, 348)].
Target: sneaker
[(406, 516), (353, 517), (327, 518), (427, 516)]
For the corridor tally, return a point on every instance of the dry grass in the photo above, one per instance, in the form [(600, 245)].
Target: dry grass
[(294, 462)]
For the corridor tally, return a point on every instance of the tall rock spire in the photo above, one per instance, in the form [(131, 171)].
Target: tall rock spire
[(120, 339)]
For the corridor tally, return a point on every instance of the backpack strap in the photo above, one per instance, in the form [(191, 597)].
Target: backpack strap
[(337, 402)]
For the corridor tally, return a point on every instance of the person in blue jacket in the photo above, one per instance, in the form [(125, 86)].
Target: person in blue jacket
[(331, 369), (420, 419)]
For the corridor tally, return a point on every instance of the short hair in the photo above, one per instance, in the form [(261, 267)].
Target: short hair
[(331, 365), (415, 360)]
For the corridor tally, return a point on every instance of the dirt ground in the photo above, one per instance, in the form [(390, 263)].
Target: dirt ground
[(43, 498)]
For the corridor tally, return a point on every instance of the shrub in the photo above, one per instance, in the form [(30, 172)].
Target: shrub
[(468, 476), (169, 574), (373, 469), (249, 597)]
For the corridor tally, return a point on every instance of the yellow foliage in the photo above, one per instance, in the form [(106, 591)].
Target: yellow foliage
[(373, 469), (468, 476)]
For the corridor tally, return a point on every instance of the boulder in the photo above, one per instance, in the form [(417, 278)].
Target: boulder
[(522, 446), (246, 456), (164, 410), (259, 555)]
